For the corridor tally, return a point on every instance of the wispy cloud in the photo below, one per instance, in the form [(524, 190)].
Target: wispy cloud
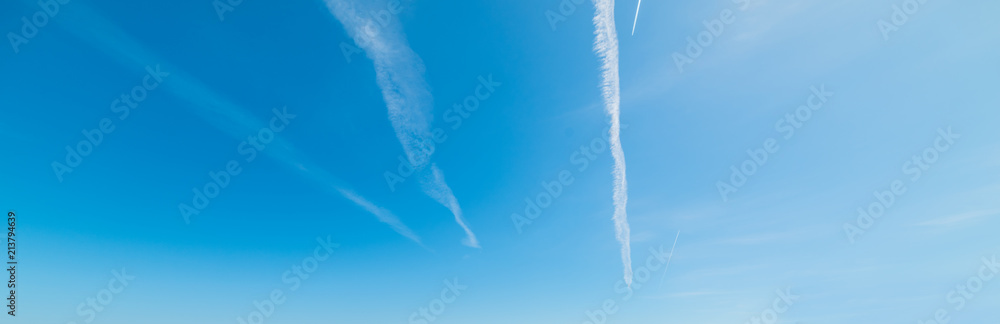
[(688, 294), (606, 46), (218, 111), (438, 189), (399, 73), (382, 214), (952, 219)]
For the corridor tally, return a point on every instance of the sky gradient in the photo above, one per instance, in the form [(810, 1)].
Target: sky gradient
[(396, 161)]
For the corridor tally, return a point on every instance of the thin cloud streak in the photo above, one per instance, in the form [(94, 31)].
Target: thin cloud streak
[(382, 214), (606, 47), (221, 113), (439, 190), (957, 218), (671, 257), (399, 73)]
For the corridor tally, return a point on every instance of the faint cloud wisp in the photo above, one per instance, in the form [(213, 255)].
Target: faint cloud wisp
[(399, 73)]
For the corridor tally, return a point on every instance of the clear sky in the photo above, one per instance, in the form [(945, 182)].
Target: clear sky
[(752, 133)]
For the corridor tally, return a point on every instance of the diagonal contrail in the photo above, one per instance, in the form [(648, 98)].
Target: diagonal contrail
[(636, 16), (399, 73), (440, 191), (218, 111), (606, 46), (664, 275)]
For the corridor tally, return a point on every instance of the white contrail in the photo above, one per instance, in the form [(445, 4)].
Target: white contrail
[(399, 73), (671, 257), (636, 16), (438, 189), (606, 46), (221, 113), (241, 122), (382, 214)]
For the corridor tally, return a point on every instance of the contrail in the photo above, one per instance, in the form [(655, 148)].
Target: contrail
[(671, 257), (606, 46), (382, 214), (399, 73), (438, 189), (221, 113), (636, 16)]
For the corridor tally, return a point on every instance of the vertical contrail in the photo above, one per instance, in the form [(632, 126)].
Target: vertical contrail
[(399, 73), (636, 16), (606, 46)]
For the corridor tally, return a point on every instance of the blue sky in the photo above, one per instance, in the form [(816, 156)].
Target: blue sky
[(891, 94)]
